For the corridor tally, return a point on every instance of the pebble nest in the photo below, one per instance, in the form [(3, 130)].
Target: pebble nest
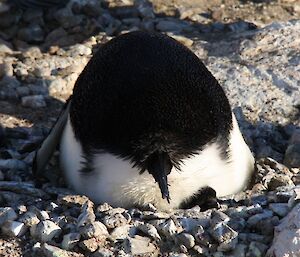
[(42, 52)]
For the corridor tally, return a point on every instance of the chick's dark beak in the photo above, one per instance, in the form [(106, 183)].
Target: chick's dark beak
[(159, 166)]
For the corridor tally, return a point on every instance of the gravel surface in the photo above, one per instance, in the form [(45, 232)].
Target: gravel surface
[(250, 47)]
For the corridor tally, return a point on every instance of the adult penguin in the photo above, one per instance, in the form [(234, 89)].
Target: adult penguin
[(148, 123)]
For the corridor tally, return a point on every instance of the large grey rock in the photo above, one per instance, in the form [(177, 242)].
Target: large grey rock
[(45, 231), (287, 235), (252, 63)]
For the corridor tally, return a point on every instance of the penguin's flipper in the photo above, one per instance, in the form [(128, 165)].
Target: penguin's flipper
[(47, 148)]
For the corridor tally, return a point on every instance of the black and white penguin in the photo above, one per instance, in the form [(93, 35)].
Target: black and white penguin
[(148, 123)]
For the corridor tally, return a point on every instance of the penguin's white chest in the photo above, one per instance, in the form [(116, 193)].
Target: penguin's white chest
[(115, 181)]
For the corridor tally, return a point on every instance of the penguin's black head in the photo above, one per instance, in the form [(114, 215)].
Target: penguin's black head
[(148, 99)]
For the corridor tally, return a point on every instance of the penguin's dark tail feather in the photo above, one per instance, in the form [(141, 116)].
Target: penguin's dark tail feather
[(159, 166), (47, 148)]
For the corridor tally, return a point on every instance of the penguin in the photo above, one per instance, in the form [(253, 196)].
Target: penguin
[(148, 123)]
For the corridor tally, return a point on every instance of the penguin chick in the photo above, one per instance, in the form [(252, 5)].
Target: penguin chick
[(148, 123)]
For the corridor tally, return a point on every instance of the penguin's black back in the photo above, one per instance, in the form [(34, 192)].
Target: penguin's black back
[(143, 92)]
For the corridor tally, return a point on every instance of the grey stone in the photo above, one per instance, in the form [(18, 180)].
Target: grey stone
[(257, 249), (5, 47), (217, 217), (102, 208), (23, 91), (32, 14), (292, 156), (240, 250), (53, 251), (279, 180), (286, 235), (90, 245), (79, 50), (190, 224), (92, 8), (145, 8), (94, 229), (81, 201), (249, 237), (41, 214), (225, 235), (42, 72), (45, 231), (32, 52), (29, 219), (115, 211), (12, 164), (240, 26), (32, 33), (185, 239), (120, 233), (7, 214), (149, 230), (6, 69), (253, 220), (139, 245), (33, 101), (281, 209), (149, 215), (259, 64), (67, 19), (200, 250), (131, 22), (113, 221), (170, 25), (237, 224), (13, 228), (295, 197), (201, 236), (58, 85), (228, 245), (168, 228), (11, 82)]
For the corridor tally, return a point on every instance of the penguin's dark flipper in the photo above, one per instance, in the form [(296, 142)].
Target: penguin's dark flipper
[(47, 148)]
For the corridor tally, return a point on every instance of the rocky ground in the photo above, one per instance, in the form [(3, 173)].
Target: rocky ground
[(251, 47)]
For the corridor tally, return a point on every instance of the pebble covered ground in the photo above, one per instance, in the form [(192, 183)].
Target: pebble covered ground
[(250, 47)]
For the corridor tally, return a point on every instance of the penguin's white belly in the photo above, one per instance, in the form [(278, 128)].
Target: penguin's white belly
[(115, 181)]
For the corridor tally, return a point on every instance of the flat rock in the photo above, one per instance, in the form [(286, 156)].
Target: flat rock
[(139, 245), (287, 235)]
